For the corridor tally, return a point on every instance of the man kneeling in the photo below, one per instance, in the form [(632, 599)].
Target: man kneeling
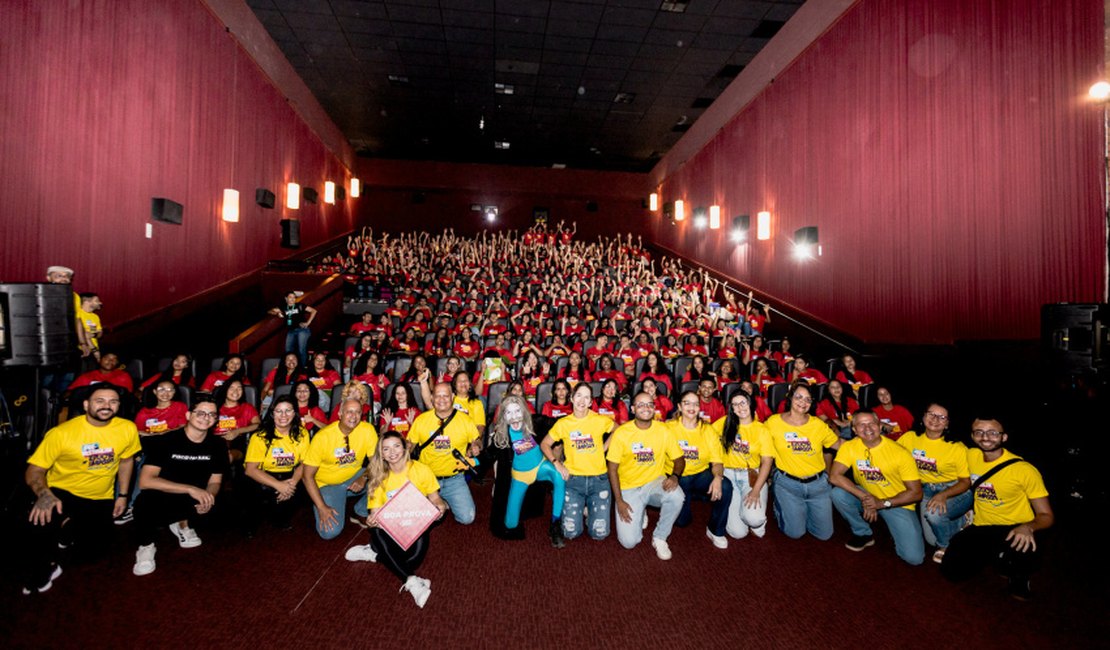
[(180, 480)]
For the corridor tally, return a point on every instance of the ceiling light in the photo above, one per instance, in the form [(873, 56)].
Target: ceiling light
[(1100, 91), (675, 6), (491, 213), (624, 98), (501, 144), (398, 80), (503, 89)]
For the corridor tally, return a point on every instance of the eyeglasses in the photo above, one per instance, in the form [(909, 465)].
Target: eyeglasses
[(205, 414), (986, 433), (803, 398), (938, 416), (164, 389)]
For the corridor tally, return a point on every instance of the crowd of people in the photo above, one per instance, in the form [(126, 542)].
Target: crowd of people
[(619, 382)]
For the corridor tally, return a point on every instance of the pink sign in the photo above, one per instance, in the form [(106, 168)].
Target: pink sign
[(406, 515)]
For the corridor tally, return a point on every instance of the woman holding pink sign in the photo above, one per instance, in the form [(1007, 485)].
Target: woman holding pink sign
[(390, 471)]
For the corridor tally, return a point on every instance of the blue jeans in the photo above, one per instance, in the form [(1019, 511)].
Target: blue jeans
[(697, 487), (741, 518), (296, 340), (629, 534), (335, 497), (803, 507), (456, 493), (591, 492), (941, 527), (903, 524)]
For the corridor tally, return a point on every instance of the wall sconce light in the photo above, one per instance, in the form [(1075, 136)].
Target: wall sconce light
[(355, 188), (740, 227), (230, 211), (714, 217), (329, 192), (679, 210), (1100, 91), (293, 196), (701, 217), (763, 226), (653, 202), (805, 243)]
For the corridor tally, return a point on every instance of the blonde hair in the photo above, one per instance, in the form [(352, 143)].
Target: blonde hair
[(354, 386), (377, 469), (499, 432)]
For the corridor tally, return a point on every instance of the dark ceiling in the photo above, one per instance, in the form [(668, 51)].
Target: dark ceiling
[(594, 84)]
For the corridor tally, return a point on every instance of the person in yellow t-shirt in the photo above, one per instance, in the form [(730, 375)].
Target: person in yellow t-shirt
[(884, 485), (440, 442), (748, 461), (942, 464), (73, 474), (275, 463), (390, 469), (584, 435), (637, 455), (90, 321), (703, 478), (798, 441), (333, 468), (1010, 506)]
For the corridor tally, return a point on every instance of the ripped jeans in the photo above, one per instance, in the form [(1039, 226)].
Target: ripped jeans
[(591, 492)]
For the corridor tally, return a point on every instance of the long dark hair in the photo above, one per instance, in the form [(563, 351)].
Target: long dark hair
[(238, 374), (313, 393), (391, 403), (841, 407), (282, 375), (268, 429), (847, 373), (362, 364), (732, 421), (186, 373), (221, 393)]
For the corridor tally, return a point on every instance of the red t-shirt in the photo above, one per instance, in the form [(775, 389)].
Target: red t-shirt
[(117, 377), (617, 411), (234, 417), (553, 410), (156, 420)]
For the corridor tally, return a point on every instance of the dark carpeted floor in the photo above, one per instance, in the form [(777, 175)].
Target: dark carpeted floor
[(293, 589)]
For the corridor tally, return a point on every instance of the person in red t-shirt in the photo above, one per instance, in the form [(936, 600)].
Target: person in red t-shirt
[(236, 418), (610, 404), (161, 413), (467, 348), (323, 378), (559, 405), (233, 368), (763, 377), (803, 372), (575, 370), (599, 349), (663, 406), (400, 411), (109, 372), (783, 356), (762, 408), (671, 349), (365, 324), (836, 409), (728, 349), (895, 420), (657, 370), (607, 369), (852, 376), (180, 372), (727, 374), (710, 408), (308, 406)]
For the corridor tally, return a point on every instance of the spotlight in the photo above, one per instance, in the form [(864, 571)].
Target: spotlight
[(491, 213), (1100, 91), (740, 226)]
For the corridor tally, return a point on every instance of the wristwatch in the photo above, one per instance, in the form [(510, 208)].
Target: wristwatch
[(886, 504)]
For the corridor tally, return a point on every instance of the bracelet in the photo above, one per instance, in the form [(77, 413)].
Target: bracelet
[(123, 495)]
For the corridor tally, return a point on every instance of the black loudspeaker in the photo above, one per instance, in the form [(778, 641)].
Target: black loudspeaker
[(806, 235), (166, 210), (264, 197), (41, 324), (309, 195), (591, 206), (290, 233), (1074, 335), (419, 198), (668, 209), (340, 193)]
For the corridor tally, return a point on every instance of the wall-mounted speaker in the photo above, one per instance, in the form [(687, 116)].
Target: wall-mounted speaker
[(309, 195), (166, 210), (1075, 336), (264, 197), (39, 324), (591, 206), (340, 193), (806, 235), (290, 233)]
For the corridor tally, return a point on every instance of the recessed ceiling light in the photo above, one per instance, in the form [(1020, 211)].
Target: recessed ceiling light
[(675, 7), (398, 80), (501, 144), (503, 89), (624, 98)]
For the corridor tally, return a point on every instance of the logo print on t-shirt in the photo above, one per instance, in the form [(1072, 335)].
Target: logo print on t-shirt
[(644, 455), (582, 441), (97, 457), (798, 443), (441, 443), (344, 456), (924, 463), (869, 472), (282, 458), (523, 446), (689, 452), (985, 492), (741, 446)]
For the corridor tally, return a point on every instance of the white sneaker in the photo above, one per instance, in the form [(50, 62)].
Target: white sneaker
[(760, 532), (719, 541), (419, 588), (144, 560), (643, 526), (49, 583), (661, 548), (968, 519), (361, 554), (186, 537)]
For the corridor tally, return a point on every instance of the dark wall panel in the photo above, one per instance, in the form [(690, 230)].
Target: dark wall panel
[(946, 152), (105, 104)]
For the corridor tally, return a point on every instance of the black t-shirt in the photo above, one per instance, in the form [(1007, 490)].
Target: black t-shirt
[(294, 314), (184, 461)]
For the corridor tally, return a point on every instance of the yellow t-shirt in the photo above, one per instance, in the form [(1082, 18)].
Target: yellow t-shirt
[(336, 461), (1003, 499), (90, 322), (83, 459), (882, 471), (416, 472), (798, 451), (583, 442), (751, 444), (283, 455), (460, 432), (938, 461), (641, 453), (699, 445), (472, 408)]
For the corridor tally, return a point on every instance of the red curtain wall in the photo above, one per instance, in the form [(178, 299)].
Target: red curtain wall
[(105, 104), (947, 155)]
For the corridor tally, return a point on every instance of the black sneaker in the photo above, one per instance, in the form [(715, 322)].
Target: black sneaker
[(127, 516), (555, 532), (1018, 588), (859, 542)]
